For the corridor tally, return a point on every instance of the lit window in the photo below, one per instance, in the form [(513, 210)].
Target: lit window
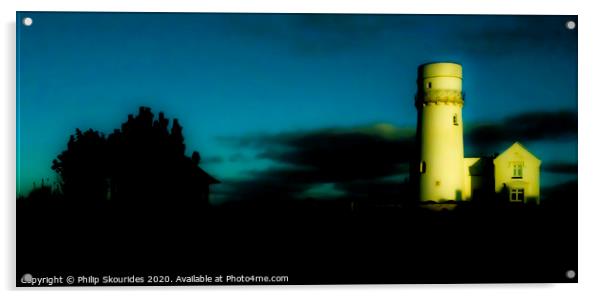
[(455, 119), (422, 167), (517, 195), (517, 170)]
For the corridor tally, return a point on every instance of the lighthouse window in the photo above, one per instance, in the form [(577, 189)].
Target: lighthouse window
[(422, 167), (455, 119), (429, 85)]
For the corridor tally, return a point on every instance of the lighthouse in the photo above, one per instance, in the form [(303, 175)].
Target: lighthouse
[(440, 162)]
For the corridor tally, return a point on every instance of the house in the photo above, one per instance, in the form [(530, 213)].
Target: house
[(516, 174), (513, 176)]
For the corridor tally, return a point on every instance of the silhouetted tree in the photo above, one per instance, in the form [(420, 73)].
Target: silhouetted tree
[(82, 167), (144, 161), (42, 192)]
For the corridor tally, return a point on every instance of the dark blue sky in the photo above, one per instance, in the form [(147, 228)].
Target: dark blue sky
[(238, 75)]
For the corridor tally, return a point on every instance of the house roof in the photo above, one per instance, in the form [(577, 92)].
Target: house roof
[(207, 177), (516, 146)]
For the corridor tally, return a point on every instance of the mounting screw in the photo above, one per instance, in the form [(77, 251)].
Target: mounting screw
[(26, 278), (27, 21), (570, 25), (570, 274)]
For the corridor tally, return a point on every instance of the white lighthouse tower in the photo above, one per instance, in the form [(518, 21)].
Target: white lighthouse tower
[(439, 101)]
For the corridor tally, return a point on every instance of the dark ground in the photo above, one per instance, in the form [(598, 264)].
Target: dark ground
[(311, 242)]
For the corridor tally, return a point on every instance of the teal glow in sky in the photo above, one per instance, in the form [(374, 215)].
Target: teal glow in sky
[(238, 75)]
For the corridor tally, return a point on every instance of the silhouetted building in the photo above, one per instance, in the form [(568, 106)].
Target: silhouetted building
[(201, 184)]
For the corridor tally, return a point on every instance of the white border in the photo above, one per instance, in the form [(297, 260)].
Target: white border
[(590, 237)]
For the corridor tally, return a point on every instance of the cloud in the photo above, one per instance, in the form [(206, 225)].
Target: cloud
[(313, 34), (560, 167), (239, 158), (340, 158), (337, 154), (263, 186), (213, 159), (495, 35), (370, 161), (531, 126), (318, 33), (333, 156)]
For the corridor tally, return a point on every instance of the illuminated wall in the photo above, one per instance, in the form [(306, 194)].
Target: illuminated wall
[(439, 102), (516, 173), (472, 180)]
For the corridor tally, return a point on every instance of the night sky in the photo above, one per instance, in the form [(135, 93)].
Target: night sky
[(258, 94)]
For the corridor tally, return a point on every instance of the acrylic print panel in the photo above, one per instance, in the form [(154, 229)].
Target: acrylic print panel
[(220, 149)]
